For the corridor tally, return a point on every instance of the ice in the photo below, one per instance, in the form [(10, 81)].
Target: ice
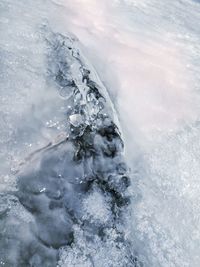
[(62, 129), (147, 56), (96, 207), (76, 120), (150, 61)]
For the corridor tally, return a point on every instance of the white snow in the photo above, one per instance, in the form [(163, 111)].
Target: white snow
[(147, 54)]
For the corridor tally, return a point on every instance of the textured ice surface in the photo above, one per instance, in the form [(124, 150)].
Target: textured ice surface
[(64, 201), (147, 52), (151, 62)]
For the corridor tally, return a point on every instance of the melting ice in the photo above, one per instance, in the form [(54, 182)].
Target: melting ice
[(146, 54)]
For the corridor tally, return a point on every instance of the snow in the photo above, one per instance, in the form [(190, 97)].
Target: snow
[(147, 55)]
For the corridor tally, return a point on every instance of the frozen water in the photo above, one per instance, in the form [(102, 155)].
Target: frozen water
[(147, 54), (69, 181), (76, 120)]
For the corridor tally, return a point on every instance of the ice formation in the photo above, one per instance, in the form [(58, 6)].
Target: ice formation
[(67, 197), (73, 191)]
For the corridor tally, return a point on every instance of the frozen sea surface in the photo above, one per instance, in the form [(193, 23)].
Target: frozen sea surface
[(146, 54)]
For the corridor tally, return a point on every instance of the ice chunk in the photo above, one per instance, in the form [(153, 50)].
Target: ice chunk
[(76, 120)]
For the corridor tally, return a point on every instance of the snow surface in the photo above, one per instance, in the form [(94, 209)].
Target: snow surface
[(146, 52)]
